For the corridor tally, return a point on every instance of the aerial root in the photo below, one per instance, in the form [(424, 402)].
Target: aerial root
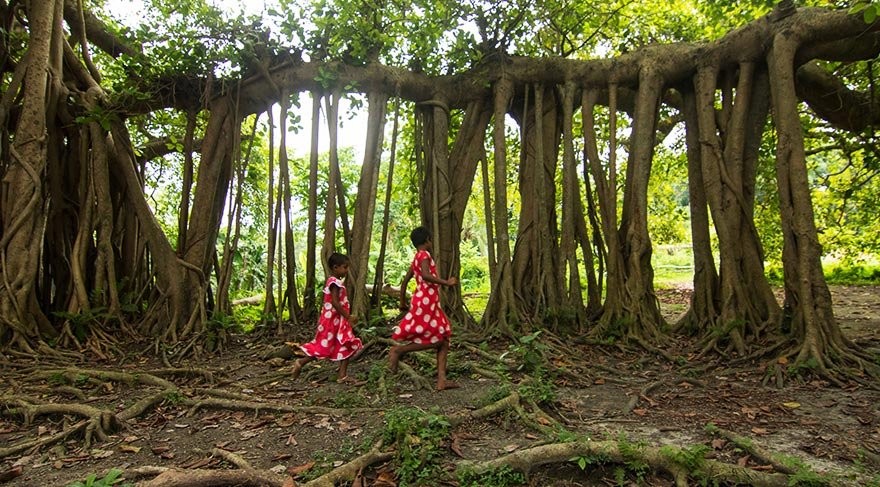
[(748, 445), (173, 477), (528, 459), (351, 470)]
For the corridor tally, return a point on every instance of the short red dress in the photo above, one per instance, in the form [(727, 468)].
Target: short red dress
[(425, 322), (334, 338)]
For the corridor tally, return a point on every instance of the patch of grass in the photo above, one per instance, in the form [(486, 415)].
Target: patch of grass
[(348, 399)]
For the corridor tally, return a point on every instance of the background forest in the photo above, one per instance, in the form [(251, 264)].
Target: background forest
[(208, 153)]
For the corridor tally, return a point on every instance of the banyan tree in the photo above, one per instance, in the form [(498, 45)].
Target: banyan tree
[(78, 231)]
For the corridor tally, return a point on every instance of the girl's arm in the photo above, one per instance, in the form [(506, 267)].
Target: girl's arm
[(409, 274), (428, 277), (337, 305)]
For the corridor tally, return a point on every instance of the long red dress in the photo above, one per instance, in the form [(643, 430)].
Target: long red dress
[(334, 338), (425, 322)]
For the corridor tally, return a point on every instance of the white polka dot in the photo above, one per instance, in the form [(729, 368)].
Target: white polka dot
[(433, 323), (396, 330), (427, 318), (420, 329), (425, 300), (327, 305), (431, 291), (324, 343), (418, 312), (320, 327), (328, 315), (434, 339)]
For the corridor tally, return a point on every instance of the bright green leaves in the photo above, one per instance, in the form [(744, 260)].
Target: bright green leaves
[(870, 10)]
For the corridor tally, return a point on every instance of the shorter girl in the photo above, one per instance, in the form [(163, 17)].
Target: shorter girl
[(425, 325), (334, 339)]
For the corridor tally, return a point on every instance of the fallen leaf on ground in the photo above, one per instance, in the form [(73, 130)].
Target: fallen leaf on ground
[(300, 469)]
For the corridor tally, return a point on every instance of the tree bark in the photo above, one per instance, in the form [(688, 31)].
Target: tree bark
[(24, 194), (365, 204)]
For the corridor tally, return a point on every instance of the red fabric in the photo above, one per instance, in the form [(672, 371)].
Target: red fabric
[(334, 338), (425, 322)]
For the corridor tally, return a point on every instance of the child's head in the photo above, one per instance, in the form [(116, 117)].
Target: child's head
[(338, 264), (420, 236)]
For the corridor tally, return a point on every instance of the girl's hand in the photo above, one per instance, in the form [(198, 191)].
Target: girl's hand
[(452, 281)]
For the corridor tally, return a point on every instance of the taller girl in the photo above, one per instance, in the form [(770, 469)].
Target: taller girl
[(425, 325)]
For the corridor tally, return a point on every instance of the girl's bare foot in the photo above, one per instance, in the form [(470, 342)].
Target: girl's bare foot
[(393, 359), (443, 385), (297, 368)]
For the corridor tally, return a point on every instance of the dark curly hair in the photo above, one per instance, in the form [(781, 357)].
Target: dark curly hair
[(419, 236), (336, 259)]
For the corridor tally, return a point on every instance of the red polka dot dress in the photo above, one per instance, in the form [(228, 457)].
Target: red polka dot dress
[(425, 323), (334, 338)]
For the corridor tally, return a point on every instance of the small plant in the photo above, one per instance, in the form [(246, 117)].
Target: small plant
[(540, 391), (110, 479), (174, 397), (692, 459), (585, 461), (632, 458), (801, 368), (529, 352), (418, 435), (502, 477), (807, 478)]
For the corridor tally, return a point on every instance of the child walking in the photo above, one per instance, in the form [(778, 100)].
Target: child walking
[(334, 338), (425, 325)]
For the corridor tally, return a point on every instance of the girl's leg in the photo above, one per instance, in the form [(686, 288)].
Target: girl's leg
[(298, 365), (442, 353), (343, 371), (397, 351)]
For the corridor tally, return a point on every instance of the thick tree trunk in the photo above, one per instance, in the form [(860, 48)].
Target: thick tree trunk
[(365, 204), (572, 211), (536, 256), (704, 305), (631, 309), (233, 228), (288, 287), (747, 304), (22, 216), (379, 276), (215, 171), (502, 309), (820, 344), (448, 177)]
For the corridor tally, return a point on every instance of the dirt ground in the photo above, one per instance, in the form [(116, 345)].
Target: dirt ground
[(309, 426)]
